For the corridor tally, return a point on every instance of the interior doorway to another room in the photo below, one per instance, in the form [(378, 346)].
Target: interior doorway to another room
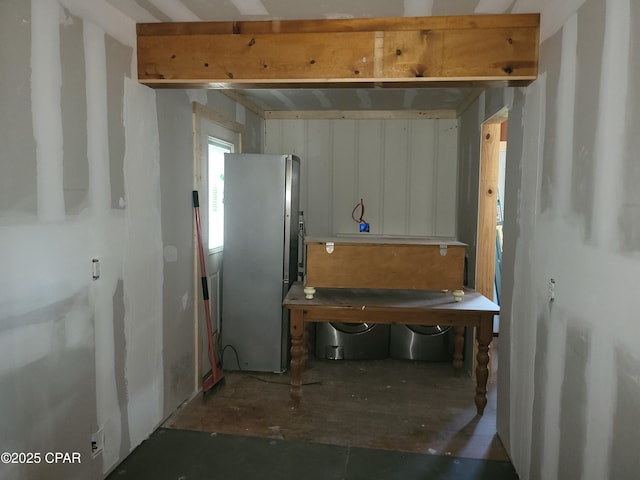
[(491, 207), (502, 165)]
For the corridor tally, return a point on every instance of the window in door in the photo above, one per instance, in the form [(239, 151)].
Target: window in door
[(217, 149)]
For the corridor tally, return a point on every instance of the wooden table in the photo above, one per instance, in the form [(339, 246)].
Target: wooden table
[(407, 307)]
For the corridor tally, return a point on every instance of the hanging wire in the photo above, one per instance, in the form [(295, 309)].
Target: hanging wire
[(353, 213)]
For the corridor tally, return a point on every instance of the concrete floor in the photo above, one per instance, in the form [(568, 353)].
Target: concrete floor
[(172, 454)]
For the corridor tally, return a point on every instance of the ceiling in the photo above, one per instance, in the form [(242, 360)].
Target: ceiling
[(430, 102)]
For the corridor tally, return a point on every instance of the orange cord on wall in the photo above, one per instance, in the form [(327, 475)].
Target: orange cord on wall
[(364, 226), (353, 213)]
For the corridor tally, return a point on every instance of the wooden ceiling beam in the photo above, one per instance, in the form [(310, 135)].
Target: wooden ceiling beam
[(482, 50)]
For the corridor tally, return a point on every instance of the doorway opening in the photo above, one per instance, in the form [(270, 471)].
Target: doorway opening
[(490, 214), (491, 205), (502, 165)]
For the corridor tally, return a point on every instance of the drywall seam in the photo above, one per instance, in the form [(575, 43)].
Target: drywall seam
[(418, 8), (176, 11), (566, 110), (286, 101), (250, 7), (524, 331), (554, 15), (142, 262), (46, 83), (610, 132), (322, 98), (493, 6), (609, 154), (113, 21), (600, 401), (134, 11), (101, 241), (556, 343), (107, 408), (527, 6), (97, 129)]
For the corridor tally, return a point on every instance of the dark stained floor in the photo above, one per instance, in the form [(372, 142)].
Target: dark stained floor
[(389, 404), (358, 419)]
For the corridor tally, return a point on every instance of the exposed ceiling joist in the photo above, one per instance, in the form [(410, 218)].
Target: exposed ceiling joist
[(415, 52)]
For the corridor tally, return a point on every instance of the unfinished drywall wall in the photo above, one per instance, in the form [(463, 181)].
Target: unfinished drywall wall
[(73, 111), (82, 343), (176, 181), (625, 436), (565, 387), (142, 262), (629, 229), (18, 156)]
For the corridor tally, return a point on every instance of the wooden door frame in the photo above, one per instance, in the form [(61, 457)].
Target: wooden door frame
[(487, 208), (487, 204)]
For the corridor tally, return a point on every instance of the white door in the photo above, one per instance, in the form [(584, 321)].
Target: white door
[(214, 140)]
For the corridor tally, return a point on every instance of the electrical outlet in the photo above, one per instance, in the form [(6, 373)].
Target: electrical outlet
[(97, 443)]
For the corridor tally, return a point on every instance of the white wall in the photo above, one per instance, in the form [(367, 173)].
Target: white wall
[(93, 165), (569, 391), (78, 354), (404, 170)]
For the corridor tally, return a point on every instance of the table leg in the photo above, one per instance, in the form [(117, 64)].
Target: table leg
[(484, 335), (296, 328), (458, 347), (305, 346)]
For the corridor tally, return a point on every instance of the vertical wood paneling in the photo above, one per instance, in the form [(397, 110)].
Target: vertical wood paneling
[(344, 175), (422, 138), (395, 177), (370, 164), (316, 188), (446, 180), (293, 137), (405, 170), (273, 136)]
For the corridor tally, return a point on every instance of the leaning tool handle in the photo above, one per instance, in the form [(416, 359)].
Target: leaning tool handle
[(205, 287)]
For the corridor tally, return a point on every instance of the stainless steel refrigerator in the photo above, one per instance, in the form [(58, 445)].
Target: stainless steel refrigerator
[(259, 259)]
